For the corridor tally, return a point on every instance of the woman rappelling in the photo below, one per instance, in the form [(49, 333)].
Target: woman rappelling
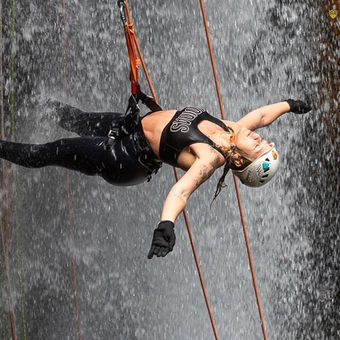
[(125, 149)]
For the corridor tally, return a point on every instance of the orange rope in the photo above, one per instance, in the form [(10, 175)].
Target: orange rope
[(67, 173), (145, 71), (176, 176), (235, 182), (212, 59), (200, 275), (134, 61), (133, 46), (130, 38)]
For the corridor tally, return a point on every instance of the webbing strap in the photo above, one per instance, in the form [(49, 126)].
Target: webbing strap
[(129, 32), (68, 188)]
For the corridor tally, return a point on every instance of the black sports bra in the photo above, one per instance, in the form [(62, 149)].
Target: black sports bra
[(182, 131)]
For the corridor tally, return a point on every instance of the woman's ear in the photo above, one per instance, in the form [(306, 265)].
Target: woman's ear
[(238, 162), (236, 159)]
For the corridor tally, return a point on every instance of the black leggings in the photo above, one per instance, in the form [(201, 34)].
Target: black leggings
[(128, 161), (85, 123)]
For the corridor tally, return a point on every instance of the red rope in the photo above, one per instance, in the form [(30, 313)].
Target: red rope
[(250, 260), (5, 204), (176, 177), (200, 275), (212, 59), (5, 239), (73, 264), (235, 182)]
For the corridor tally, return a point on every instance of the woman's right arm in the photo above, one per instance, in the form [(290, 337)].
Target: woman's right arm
[(264, 115)]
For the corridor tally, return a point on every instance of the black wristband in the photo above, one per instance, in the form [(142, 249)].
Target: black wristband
[(290, 103), (166, 224)]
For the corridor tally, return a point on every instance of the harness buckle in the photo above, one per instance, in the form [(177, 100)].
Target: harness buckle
[(113, 133), (111, 137)]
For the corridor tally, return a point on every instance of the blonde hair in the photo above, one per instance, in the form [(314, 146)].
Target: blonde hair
[(233, 155)]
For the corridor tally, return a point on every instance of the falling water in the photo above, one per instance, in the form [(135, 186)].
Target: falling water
[(265, 52)]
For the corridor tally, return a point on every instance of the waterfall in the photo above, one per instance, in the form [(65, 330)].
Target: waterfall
[(265, 52)]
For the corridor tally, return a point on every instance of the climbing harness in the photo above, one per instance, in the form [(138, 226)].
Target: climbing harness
[(130, 127), (132, 113), (126, 125), (148, 101)]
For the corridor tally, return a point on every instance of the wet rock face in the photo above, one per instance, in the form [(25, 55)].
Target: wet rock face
[(323, 190), (329, 67)]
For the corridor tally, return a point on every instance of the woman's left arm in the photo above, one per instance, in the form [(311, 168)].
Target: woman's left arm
[(164, 235), (179, 194)]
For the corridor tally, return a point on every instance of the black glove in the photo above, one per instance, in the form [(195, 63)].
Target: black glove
[(298, 106), (164, 239)]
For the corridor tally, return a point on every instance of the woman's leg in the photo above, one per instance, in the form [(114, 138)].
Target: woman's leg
[(78, 154), (85, 123)]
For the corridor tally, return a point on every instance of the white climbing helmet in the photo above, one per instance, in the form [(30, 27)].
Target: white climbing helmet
[(261, 170)]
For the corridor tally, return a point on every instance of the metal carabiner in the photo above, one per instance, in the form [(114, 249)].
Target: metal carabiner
[(122, 5)]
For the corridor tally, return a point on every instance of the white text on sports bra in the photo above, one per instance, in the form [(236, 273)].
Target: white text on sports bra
[(183, 121)]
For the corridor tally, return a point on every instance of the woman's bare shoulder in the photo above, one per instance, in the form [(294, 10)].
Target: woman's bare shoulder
[(235, 126), (156, 121), (160, 114)]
